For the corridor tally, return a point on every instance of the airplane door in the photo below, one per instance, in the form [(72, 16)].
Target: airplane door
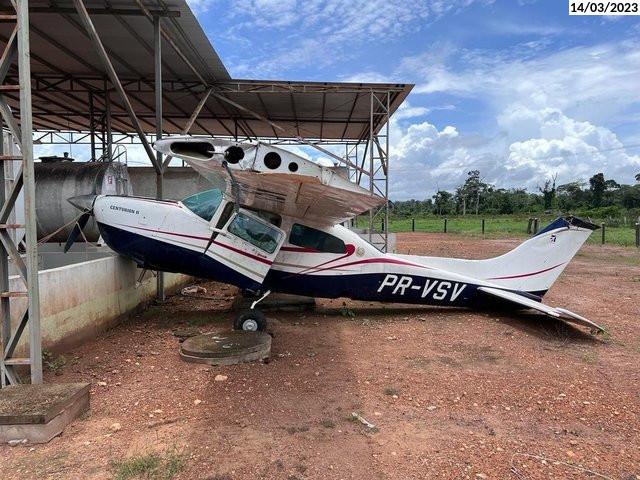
[(248, 244)]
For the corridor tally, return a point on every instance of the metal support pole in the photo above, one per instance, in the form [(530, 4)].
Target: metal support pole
[(92, 127), (385, 170), (413, 224), (603, 232), (483, 226), (445, 225), (157, 35), (5, 304), (26, 146), (107, 121), (638, 235), (113, 76), (371, 171)]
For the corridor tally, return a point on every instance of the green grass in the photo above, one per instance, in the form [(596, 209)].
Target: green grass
[(502, 226), (152, 466)]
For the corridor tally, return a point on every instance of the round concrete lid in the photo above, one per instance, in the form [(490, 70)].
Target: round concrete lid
[(225, 344)]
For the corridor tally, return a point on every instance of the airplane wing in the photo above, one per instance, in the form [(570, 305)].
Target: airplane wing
[(555, 312), (273, 179)]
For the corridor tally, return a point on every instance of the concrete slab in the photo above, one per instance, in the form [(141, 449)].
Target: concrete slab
[(37, 413), (226, 348), (277, 302)]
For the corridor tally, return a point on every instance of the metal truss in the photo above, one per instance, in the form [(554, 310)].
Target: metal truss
[(378, 147), (27, 264)]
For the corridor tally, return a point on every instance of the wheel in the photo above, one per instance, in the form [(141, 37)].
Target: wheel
[(251, 320)]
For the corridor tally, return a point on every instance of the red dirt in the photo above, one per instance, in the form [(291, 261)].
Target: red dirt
[(453, 393)]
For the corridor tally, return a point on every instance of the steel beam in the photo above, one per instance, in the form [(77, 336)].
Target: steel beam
[(157, 55), (190, 122), (26, 147), (113, 76), (99, 11), (5, 302)]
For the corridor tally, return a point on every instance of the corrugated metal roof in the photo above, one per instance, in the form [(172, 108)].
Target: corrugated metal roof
[(65, 69)]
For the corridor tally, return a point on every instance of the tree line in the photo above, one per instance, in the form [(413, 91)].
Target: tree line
[(599, 197)]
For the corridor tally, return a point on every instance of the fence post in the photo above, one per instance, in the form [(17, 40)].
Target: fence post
[(529, 223), (483, 226), (603, 232), (413, 224), (638, 235), (535, 225), (445, 225), (382, 225)]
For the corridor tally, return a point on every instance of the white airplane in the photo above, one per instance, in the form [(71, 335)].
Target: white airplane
[(274, 225)]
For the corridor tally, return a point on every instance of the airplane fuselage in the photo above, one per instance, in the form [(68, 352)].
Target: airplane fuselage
[(167, 236)]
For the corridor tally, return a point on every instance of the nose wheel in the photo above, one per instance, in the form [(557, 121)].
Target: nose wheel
[(251, 321)]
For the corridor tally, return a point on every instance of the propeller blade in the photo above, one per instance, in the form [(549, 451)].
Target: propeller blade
[(83, 202), (75, 233)]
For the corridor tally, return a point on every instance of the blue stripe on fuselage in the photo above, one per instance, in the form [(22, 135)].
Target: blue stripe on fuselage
[(157, 255), (376, 287)]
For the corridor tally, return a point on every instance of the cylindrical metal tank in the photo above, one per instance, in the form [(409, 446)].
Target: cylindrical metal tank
[(56, 181)]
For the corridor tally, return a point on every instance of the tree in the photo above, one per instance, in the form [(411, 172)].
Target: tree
[(549, 192), (442, 202), (471, 191), (597, 186)]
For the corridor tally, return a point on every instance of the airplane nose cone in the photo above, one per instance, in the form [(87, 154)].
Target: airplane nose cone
[(83, 202)]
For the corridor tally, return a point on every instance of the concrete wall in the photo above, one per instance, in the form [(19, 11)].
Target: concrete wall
[(81, 300)]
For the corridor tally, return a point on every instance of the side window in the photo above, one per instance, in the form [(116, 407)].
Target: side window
[(204, 204), (308, 237), (258, 233)]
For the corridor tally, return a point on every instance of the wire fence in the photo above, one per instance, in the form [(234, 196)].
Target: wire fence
[(613, 232)]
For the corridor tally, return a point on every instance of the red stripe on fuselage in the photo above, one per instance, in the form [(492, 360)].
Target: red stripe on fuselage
[(527, 274), (229, 247)]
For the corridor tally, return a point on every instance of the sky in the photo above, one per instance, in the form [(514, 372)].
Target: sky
[(517, 89)]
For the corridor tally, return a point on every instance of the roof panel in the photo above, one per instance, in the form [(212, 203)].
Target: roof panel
[(65, 70)]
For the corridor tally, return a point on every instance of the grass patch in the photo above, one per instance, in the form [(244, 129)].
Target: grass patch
[(590, 357), (328, 423), (347, 312), (152, 466), (52, 362), (504, 225), (391, 391)]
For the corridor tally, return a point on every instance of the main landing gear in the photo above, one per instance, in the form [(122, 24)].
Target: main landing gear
[(252, 320)]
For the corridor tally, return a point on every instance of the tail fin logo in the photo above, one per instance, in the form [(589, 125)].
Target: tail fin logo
[(553, 238)]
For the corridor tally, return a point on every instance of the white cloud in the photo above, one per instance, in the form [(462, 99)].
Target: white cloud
[(547, 143), (593, 82), (324, 32), (199, 6)]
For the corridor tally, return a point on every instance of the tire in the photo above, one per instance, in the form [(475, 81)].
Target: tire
[(250, 320)]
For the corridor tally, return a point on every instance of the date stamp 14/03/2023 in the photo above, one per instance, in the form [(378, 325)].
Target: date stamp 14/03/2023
[(602, 7)]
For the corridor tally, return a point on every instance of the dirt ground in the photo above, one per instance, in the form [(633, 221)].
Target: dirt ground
[(452, 393)]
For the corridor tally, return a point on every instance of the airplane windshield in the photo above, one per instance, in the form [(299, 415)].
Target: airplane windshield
[(204, 204)]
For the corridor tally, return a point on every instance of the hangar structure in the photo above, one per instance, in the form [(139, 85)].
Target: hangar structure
[(109, 73)]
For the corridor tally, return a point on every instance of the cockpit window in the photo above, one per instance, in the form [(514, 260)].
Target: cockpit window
[(308, 237), (256, 232), (204, 204)]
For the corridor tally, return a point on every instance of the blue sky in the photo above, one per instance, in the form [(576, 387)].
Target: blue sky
[(516, 88)]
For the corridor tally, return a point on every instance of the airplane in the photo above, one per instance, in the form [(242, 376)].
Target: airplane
[(273, 223)]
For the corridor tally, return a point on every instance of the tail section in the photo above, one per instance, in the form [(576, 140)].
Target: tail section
[(533, 266)]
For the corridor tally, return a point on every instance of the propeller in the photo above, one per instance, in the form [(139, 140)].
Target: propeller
[(85, 204)]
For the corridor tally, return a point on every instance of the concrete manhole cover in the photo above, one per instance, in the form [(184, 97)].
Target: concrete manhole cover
[(226, 348)]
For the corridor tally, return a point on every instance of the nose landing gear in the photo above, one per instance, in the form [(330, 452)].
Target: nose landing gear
[(252, 320)]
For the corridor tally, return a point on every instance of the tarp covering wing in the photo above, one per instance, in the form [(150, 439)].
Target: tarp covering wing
[(273, 179)]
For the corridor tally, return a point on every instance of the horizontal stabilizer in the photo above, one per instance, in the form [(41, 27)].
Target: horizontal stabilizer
[(554, 312)]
